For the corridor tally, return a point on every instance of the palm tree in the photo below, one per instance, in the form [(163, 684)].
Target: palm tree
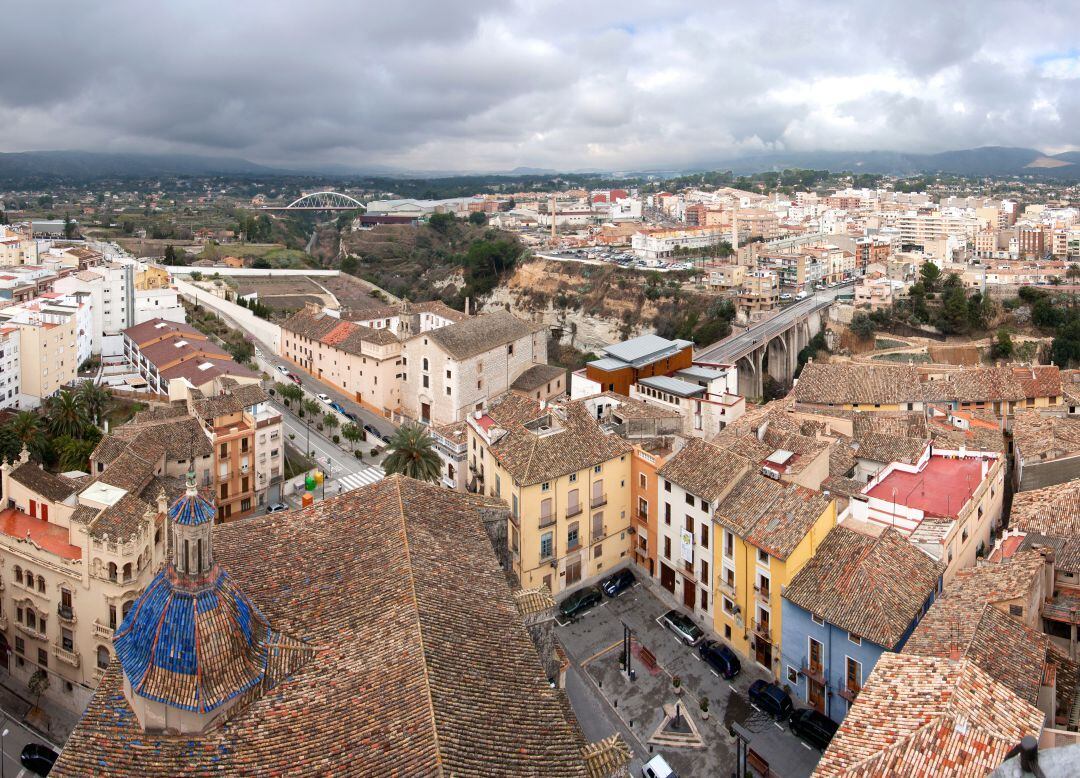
[(331, 421), (352, 433), (93, 399), (412, 453), (26, 427), (310, 408), (65, 415), (74, 453)]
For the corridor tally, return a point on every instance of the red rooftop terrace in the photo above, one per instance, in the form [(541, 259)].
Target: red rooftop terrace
[(941, 488)]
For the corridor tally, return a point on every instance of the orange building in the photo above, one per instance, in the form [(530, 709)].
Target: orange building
[(648, 458), (649, 355)]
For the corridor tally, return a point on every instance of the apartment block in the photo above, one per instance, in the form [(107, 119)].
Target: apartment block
[(163, 352), (48, 351), (10, 367)]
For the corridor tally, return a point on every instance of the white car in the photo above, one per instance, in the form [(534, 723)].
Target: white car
[(324, 398), (785, 296), (283, 370), (657, 767)]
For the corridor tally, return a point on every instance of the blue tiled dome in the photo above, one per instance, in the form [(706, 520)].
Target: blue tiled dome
[(192, 509), (194, 648)]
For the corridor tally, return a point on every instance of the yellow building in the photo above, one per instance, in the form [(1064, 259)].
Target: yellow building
[(152, 276), (49, 355), (766, 531), (567, 483)]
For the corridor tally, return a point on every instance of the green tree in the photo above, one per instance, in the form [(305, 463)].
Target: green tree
[(94, 400), (1073, 273), (349, 265), (412, 453), (38, 685), (478, 218), (69, 227), (353, 433), (1065, 348), (311, 409), (27, 429), (862, 326), (289, 393), (953, 318), (442, 223), (74, 453), (331, 421), (65, 415), (1003, 346), (930, 274)]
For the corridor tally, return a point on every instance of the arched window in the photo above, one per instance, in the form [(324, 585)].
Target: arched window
[(40, 583), (112, 571), (425, 364), (127, 571), (102, 657), (18, 574), (125, 608)]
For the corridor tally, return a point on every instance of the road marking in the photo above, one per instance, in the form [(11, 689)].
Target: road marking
[(807, 747), (696, 657), (731, 687), (714, 673), (601, 652), (778, 726)]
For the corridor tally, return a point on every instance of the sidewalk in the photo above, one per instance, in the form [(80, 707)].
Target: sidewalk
[(51, 722)]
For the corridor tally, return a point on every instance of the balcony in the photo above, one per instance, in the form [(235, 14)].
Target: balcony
[(31, 631), (727, 588), (643, 516), (3, 622), (103, 631), (814, 671), (598, 500), (547, 520), (762, 594), (66, 613), (761, 629), (573, 510), (68, 657), (849, 691)]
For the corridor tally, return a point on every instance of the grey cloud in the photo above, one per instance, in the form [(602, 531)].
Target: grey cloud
[(485, 85)]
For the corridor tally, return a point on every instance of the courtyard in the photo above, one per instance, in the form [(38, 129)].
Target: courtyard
[(605, 700)]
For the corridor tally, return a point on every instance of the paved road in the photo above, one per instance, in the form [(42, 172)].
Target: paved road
[(741, 343), (18, 735)]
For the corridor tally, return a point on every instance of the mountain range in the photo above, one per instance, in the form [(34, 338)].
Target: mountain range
[(1000, 161)]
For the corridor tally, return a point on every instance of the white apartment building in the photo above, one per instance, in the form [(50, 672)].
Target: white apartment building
[(657, 244), (451, 371), (158, 304), (112, 290), (15, 249), (10, 370), (48, 349)]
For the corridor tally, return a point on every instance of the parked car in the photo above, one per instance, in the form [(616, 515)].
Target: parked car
[(276, 506), (771, 699), (352, 417), (337, 407), (657, 767), (580, 601), (38, 758), (814, 727), (800, 296), (785, 296), (683, 626), (324, 398), (618, 582), (283, 370), (720, 658), (372, 431), (294, 378)]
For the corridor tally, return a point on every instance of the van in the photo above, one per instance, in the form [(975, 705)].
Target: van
[(800, 296), (815, 728), (657, 767)]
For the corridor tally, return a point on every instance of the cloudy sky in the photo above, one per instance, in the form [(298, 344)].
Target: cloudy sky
[(493, 85)]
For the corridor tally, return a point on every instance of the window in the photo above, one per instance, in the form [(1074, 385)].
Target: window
[(224, 450), (853, 673), (102, 657), (597, 468), (729, 544), (667, 514), (67, 639), (819, 620), (425, 364), (546, 550), (667, 486), (43, 657), (727, 632), (31, 618), (704, 599), (704, 571), (20, 646), (18, 574), (597, 550), (763, 557), (704, 535), (854, 638), (792, 675), (425, 382), (447, 375), (597, 525), (642, 481), (545, 486), (729, 607), (546, 514), (1016, 610), (690, 499), (573, 478), (514, 506), (448, 391), (667, 548), (572, 536)]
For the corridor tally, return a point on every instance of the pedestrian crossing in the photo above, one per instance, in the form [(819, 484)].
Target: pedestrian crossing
[(368, 475)]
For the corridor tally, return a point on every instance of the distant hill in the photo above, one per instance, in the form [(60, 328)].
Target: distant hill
[(84, 165), (984, 161)]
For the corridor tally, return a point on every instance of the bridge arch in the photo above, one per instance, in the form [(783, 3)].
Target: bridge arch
[(325, 200)]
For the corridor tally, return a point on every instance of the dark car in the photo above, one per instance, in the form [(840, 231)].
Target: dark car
[(720, 658), (814, 727), (618, 582), (38, 758), (372, 431), (352, 417), (580, 601), (683, 626), (771, 699)]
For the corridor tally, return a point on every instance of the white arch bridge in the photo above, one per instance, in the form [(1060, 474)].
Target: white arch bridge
[(319, 201)]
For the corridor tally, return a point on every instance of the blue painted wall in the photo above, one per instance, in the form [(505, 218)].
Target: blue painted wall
[(798, 627)]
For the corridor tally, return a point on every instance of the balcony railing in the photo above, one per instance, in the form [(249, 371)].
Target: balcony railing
[(573, 510), (814, 671), (761, 629), (762, 593), (69, 657), (849, 691), (547, 520), (66, 613), (31, 631), (643, 515), (103, 631), (727, 587), (598, 500)]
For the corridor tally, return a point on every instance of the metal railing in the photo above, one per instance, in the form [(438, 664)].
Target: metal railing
[(598, 500)]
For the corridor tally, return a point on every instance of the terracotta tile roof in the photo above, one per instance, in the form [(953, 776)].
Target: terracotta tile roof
[(1070, 387), (232, 401), (841, 383), (158, 412), (53, 487), (576, 442), (342, 334), (928, 716), (437, 307), (1053, 511), (313, 326), (875, 447), (873, 587), (1037, 437), (705, 470), (1008, 383), (538, 377), (846, 487), (478, 334), (156, 329), (957, 622), (768, 514), (174, 438), (423, 663), (842, 458)]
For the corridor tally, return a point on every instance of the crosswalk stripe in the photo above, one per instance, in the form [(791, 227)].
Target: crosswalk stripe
[(368, 475)]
